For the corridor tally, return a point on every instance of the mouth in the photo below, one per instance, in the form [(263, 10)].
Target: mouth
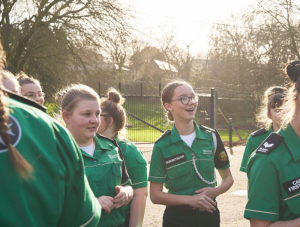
[(93, 128), (190, 110)]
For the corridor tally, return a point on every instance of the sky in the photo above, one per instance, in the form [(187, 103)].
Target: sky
[(189, 19)]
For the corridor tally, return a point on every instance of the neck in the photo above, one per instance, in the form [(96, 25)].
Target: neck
[(275, 127), (296, 125), (109, 133), (84, 143), (185, 128)]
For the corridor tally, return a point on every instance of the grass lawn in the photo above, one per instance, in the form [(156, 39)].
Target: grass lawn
[(150, 135)]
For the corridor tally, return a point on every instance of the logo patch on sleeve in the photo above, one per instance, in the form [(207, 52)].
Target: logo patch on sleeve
[(270, 144), (292, 186), (223, 156), (175, 159)]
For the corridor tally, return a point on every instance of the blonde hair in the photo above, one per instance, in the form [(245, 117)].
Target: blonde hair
[(6, 75), (290, 106), (71, 95), (112, 105), (167, 94), (273, 98)]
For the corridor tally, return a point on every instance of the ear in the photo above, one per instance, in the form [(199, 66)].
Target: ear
[(168, 106), (66, 116), (110, 121)]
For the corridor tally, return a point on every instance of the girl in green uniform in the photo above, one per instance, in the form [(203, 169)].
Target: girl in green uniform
[(269, 116), (104, 165), (273, 170), (42, 172), (184, 159), (113, 121), (31, 88)]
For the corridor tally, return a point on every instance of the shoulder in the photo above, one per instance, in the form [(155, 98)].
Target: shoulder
[(259, 132), (207, 129), (269, 144), (164, 135), (106, 139)]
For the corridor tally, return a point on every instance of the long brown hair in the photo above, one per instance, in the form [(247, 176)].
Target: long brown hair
[(112, 105), (290, 106)]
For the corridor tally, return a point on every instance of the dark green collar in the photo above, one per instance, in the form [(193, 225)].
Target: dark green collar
[(292, 141)]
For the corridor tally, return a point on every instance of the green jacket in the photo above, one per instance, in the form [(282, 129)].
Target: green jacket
[(57, 194), (136, 165), (172, 161), (254, 140), (274, 178), (105, 170)]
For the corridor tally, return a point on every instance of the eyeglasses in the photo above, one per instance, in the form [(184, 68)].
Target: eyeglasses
[(33, 95), (185, 99), (104, 115)]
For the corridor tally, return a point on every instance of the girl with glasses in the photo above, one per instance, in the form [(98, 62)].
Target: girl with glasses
[(104, 165), (184, 160), (113, 121), (273, 170), (31, 88)]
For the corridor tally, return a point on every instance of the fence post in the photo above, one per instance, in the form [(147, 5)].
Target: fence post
[(141, 89), (159, 89), (216, 110), (119, 86), (99, 91), (212, 108), (230, 136)]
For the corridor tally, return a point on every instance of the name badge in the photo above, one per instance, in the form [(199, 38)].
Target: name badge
[(175, 159), (292, 186)]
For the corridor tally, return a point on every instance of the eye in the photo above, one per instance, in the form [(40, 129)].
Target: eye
[(31, 96), (86, 114), (97, 114)]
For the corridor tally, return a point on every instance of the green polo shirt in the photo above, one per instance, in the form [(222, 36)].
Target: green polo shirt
[(57, 194), (105, 170), (274, 181), (171, 161), (253, 142), (136, 165)]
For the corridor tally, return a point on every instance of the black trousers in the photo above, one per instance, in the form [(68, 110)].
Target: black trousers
[(181, 216)]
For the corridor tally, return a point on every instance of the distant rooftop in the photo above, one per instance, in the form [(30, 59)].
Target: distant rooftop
[(166, 66)]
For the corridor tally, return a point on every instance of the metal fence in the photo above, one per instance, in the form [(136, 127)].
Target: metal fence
[(145, 112)]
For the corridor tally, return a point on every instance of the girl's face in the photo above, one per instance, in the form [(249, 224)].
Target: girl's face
[(33, 91), (179, 110), (276, 117), (84, 121)]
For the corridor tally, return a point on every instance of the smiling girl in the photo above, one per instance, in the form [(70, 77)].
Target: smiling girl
[(184, 159), (104, 165)]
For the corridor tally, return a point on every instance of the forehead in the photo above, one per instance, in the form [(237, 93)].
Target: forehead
[(84, 105), (183, 90), (31, 88)]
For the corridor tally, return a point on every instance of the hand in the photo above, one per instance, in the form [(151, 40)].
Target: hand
[(202, 202), (208, 191), (107, 203), (122, 198)]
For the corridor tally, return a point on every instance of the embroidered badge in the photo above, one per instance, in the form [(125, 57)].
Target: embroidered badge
[(175, 159), (223, 156), (292, 186), (113, 156), (210, 152), (14, 131)]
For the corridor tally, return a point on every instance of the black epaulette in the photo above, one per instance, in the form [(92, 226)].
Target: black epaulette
[(114, 142), (164, 134), (24, 100), (207, 128), (273, 140), (259, 132)]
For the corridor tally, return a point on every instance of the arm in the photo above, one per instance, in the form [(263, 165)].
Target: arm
[(227, 181), (201, 201), (137, 207), (262, 223)]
